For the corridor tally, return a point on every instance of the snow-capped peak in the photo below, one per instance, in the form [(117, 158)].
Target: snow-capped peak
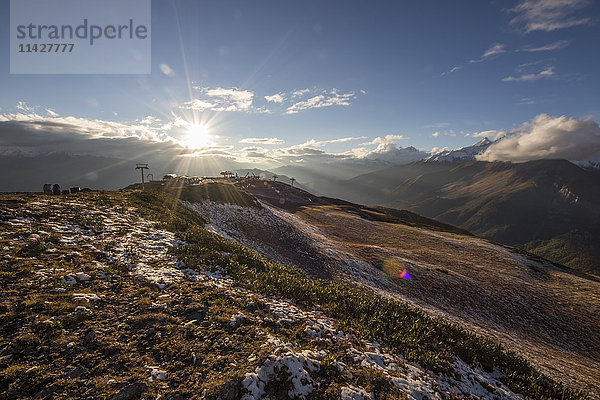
[(464, 153), (483, 142)]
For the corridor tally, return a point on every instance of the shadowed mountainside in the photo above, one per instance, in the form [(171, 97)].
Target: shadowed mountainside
[(549, 207)]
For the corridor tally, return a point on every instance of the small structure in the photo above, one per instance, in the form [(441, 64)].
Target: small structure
[(75, 189), (275, 177), (142, 167)]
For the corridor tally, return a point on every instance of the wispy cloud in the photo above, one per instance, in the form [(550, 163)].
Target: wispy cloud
[(263, 140), (549, 15), (437, 125), (527, 100), (500, 48), (531, 77), (497, 48), (560, 44), (321, 143), (326, 99)]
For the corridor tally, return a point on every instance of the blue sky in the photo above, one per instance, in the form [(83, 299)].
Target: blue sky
[(428, 74)]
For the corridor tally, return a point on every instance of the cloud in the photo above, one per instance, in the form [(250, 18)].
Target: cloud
[(453, 69), (275, 98), (548, 137), (150, 120), (51, 112), (527, 100), (561, 44), (495, 49), (385, 140), (327, 99), (549, 15), (22, 106), (493, 134), (437, 150), (263, 140), (31, 133), (498, 48), (435, 134), (544, 74), (300, 93), (321, 143), (221, 99), (437, 125), (387, 151), (311, 152), (254, 152)]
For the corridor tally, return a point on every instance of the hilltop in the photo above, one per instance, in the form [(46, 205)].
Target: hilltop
[(180, 292)]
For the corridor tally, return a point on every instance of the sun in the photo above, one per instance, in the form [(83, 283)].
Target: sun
[(197, 136)]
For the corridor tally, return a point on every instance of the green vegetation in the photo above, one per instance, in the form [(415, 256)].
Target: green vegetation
[(217, 192), (408, 331), (575, 250)]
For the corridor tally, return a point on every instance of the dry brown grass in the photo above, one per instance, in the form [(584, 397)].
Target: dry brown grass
[(547, 314)]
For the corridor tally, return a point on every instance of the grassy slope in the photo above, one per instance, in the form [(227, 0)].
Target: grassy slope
[(539, 205), (412, 333)]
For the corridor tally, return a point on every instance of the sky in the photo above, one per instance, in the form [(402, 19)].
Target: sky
[(269, 83)]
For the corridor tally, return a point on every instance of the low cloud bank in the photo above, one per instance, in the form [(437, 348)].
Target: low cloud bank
[(550, 138)]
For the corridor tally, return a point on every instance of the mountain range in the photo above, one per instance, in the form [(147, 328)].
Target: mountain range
[(549, 207)]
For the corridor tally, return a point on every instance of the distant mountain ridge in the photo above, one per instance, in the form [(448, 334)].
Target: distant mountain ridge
[(462, 154), (550, 207)]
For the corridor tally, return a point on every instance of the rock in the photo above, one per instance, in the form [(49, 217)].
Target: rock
[(174, 396), (45, 394), (230, 391), (131, 392), (197, 315), (237, 320), (156, 373), (89, 338), (29, 351), (77, 372)]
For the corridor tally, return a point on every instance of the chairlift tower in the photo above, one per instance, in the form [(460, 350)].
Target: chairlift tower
[(293, 180), (142, 167)]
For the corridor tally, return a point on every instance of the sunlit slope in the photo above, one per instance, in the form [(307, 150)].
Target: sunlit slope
[(550, 207), (544, 311)]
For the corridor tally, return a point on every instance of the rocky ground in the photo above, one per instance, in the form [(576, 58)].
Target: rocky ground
[(95, 306)]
